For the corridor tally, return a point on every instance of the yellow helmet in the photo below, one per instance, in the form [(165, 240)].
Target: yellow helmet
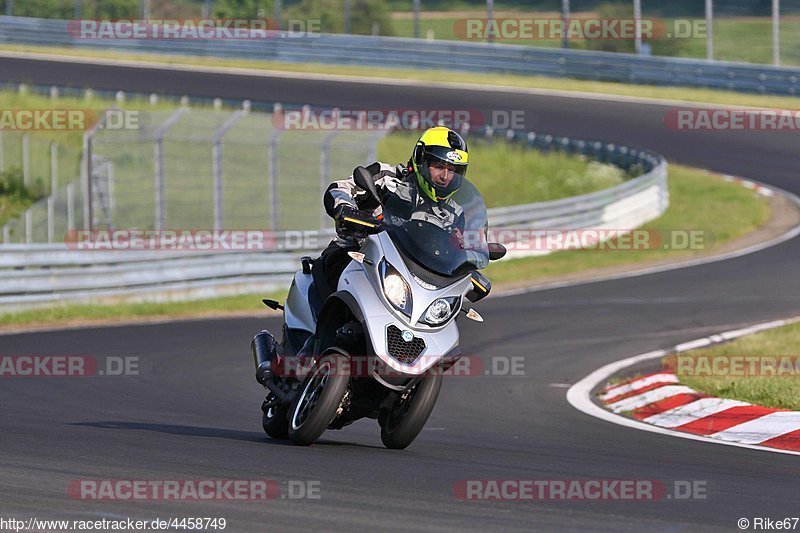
[(439, 144)]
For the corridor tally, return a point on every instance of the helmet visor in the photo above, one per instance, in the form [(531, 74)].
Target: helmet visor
[(443, 170)]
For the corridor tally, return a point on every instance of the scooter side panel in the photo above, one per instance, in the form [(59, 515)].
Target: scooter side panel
[(297, 311)]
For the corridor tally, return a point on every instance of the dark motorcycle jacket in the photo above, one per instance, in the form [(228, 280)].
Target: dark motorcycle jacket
[(393, 184)]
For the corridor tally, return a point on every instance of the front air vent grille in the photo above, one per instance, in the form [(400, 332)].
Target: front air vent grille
[(405, 352)]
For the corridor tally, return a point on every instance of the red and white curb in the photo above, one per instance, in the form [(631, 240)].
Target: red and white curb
[(759, 188), (658, 399), (660, 404)]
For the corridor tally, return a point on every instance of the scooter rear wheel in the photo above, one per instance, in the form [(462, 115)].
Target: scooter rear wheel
[(275, 421)]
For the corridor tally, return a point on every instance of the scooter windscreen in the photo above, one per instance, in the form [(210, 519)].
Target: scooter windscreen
[(448, 237)]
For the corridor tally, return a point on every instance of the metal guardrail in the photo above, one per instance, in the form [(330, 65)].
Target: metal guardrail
[(34, 274), (454, 55)]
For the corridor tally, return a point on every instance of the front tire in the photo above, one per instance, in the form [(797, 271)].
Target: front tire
[(322, 393), (401, 426)]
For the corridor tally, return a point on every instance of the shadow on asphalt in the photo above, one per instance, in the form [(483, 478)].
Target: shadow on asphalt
[(195, 431), (187, 431)]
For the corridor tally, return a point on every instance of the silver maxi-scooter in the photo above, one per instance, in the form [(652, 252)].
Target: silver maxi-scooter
[(378, 345)]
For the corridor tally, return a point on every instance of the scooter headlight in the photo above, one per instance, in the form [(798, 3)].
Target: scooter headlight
[(396, 289), (440, 311)]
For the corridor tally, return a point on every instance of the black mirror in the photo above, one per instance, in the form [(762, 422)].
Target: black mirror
[(363, 179), (496, 251)]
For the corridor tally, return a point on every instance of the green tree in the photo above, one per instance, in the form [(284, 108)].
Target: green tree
[(661, 45), (330, 13)]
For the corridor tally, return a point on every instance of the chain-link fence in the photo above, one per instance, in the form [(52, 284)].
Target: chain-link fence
[(44, 168), (197, 169)]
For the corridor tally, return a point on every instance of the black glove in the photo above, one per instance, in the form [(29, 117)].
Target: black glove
[(355, 223)]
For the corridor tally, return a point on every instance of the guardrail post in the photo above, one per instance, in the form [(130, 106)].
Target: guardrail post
[(490, 19), (6, 234), (112, 199), (776, 32), (26, 160), (274, 215), (51, 215), (416, 19), (86, 179), (324, 167), (28, 226), (70, 207), (158, 167), (87, 171), (216, 166), (216, 170), (53, 167), (158, 183), (637, 20), (710, 30)]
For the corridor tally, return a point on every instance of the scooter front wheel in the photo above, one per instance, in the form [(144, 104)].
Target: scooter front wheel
[(401, 425), (322, 393)]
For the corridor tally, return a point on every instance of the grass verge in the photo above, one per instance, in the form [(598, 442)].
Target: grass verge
[(527, 82), (131, 312), (699, 201), (775, 382)]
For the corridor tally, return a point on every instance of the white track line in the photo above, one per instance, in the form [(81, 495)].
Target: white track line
[(692, 411), (580, 394)]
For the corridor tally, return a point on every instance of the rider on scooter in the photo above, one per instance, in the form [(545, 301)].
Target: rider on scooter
[(427, 183)]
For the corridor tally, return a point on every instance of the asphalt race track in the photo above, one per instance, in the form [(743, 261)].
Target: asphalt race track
[(193, 412)]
